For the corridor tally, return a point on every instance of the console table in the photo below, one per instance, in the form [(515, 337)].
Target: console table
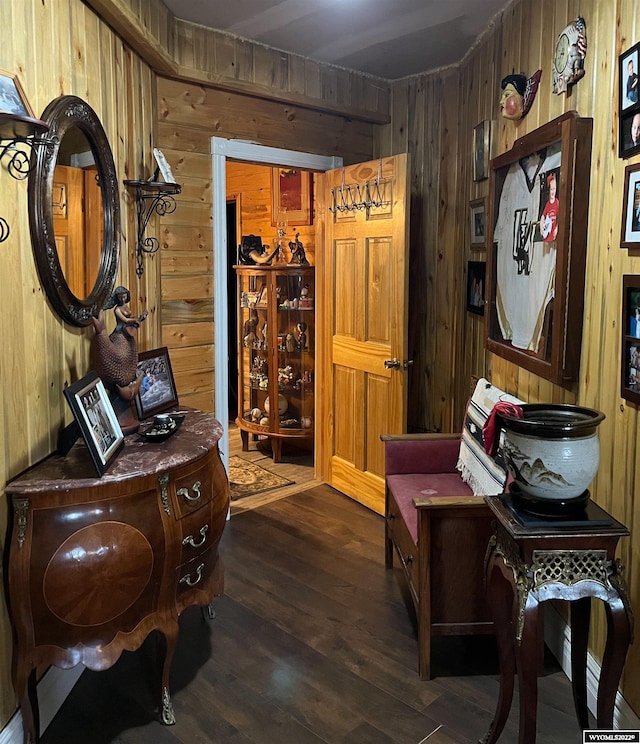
[(531, 561), (96, 564)]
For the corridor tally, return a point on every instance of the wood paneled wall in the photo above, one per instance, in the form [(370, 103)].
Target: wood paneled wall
[(57, 47), (433, 118)]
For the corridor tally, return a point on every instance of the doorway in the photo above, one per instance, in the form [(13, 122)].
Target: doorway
[(239, 150), (232, 324)]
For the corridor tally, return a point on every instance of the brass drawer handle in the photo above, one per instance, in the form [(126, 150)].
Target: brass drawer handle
[(195, 488), (190, 541), (187, 579)]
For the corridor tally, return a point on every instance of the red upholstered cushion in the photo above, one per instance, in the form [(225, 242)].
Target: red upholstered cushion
[(421, 455), (411, 486)]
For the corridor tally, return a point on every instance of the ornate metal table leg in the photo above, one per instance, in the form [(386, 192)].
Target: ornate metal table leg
[(580, 618), (167, 645)]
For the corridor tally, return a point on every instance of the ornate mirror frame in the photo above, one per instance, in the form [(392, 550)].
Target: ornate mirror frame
[(62, 114)]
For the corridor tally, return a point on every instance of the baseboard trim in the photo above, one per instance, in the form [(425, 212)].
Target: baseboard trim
[(558, 639), (53, 689)]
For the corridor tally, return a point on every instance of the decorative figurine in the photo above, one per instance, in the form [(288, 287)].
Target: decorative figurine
[(115, 356), (518, 93), (298, 255), (302, 336), (290, 342), (251, 251)]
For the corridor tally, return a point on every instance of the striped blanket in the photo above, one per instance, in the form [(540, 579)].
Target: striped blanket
[(484, 474)]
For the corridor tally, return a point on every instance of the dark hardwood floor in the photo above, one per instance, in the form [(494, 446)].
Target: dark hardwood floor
[(312, 642)]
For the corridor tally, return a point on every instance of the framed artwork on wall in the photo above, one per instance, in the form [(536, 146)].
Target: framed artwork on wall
[(12, 97), (157, 391), (291, 197), (537, 231), (630, 237), (629, 102), (481, 150), (630, 363), (478, 223), (96, 419), (476, 271)]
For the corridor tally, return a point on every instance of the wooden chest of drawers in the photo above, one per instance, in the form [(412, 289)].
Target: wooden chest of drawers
[(96, 564)]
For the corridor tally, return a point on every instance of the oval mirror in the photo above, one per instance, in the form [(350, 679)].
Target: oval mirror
[(74, 211)]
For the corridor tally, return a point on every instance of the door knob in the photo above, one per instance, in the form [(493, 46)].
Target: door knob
[(392, 363)]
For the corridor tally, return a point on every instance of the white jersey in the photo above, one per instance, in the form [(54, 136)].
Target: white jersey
[(525, 265)]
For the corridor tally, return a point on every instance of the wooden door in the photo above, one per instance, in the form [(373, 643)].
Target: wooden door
[(365, 286), (68, 225)]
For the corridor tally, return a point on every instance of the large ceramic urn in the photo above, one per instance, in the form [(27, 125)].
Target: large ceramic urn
[(552, 452)]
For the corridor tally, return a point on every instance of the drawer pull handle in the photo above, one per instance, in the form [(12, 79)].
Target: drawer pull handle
[(195, 488), (190, 541), (187, 579)]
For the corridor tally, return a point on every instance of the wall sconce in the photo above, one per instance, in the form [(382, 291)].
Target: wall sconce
[(151, 196), (17, 140)]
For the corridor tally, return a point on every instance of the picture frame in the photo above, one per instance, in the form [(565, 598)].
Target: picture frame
[(481, 150), (630, 235), (476, 282), (478, 223), (98, 423), (157, 391), (629, 102), (163, 166), (291, 197), (537, 249), (12, 96), (630, 357)]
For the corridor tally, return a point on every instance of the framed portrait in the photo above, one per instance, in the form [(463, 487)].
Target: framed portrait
[(476, 271), (157, 390), (629, 139), (481, 150), (630, 363), (537, 234), (96, 419), (630, 237), (12, 97), (163, 166), (291, 197), (478, 223)]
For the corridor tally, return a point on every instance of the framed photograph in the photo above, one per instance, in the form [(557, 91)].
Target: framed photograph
[(163, 165), (158, 390), (537, 235), (478, 216), (476, 271), (629, 139), (481, 150), (628, 78), (12, 97), (97, 420), (630, 366), (630, 237), (291, 197)]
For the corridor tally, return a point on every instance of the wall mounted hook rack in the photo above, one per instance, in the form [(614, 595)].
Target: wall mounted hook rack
[(151, 197)]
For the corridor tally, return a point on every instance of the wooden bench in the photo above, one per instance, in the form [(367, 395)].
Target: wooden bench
[(439, 532)]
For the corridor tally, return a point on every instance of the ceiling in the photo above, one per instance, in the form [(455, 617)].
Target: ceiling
[(386, 38)]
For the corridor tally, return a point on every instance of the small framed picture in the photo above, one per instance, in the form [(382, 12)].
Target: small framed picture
[(163, 165), (478, 216), (291, 197), (630, 237), (628, 78), (481, 150), (12, 97), (157, 390), (476, 272), (96, 418), (630, 363)]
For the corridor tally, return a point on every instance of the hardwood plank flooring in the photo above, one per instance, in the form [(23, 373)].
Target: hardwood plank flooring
[(312, 643)]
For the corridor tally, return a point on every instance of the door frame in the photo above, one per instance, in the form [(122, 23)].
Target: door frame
[(223, 149)]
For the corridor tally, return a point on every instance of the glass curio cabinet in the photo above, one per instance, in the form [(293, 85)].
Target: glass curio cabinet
[(276, 357)]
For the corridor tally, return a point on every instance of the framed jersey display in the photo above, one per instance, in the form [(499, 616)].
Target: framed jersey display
[(537, 233)]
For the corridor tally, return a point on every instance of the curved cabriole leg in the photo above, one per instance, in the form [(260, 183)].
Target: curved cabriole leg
[(527, 663), (580, 617), (503, 601), (615, 652), (167, 645)]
